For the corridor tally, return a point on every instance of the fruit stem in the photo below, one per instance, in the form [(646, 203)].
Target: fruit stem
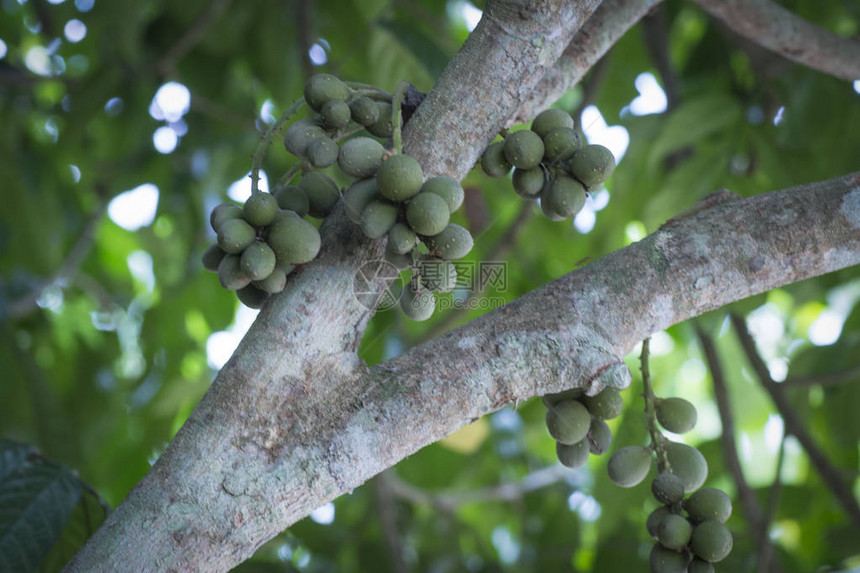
[(650, 410), (266, 141), (374, 93), (291, 172), (359, 87), (397, 99)]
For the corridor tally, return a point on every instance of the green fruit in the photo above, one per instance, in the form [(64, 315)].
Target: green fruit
[(274, 283), (605, 405), (235, 235), (360, 157), (493, 161), (676, 414), (357, 197), (427, 214), (322, 88), (592, 165), (418, 303), (258, 261), (252, 297), (447, 188), (212, 257), (223, 212), (664, 560), (298, 136), (438, 275), (382, 127), (711, 541), (599, 437), (561, 143), (553, 399), (564, 196), (529, 182), (322, 193), (322, 152), (688, 464), (402, 262), (335, 114), (401, 239), (628, 466), (572, 456), (377, 218), (454, 242), (674, 531), (550, 119), (709, 503), (292, 198), (399, 178), (655, 519), (568, 422), (667, 488), (699, 566), (364, 111), (260, 209), (293, 239), (548, 212), (524, 149), (230, 273)]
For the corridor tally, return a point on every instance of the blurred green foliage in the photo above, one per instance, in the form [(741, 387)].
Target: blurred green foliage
[(103, 368)]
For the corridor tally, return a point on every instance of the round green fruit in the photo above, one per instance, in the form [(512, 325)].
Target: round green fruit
[(493, 161), (592, 165), (377, 218), (628, 466), (454, 242), (568, 422), (711, 541), (664, 560), (417, 303), (528, 183), (322, 152), (274, 283), (298, 135), (382, 127), (553, 399), (235, 235), (676, 414), (563, 196), (230, 273), (547, 211), (260, 209), (655, 519), (223, 212), (212, 257), (667, 488), (400, 261), (399, 178), (335, 114), (360, 157), (257, 261), (524, 149), (599, 437), (252, 297), (699, 566), (358, 196), (688, 464), (572, 456), (427, 214), (605, 405), (550, 119), (447, 188), (401, 239), (292, 198), (322, 88), (322, 193), (561, 143), (709, 503), (364, 111), (293, 239), (674, 531), (438, 275)]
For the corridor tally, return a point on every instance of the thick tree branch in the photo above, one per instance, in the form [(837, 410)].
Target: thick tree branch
[(767, 23)]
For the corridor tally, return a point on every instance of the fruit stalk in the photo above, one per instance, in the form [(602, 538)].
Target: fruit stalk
[(650, 412), (266, 141)]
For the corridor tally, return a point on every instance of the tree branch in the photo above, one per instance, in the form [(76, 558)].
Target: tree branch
[(772, 26), (832, 379), (794, 425)]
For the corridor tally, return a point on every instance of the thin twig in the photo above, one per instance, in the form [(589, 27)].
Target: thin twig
[(657, 439), (304, 21), (192, 36), (656, 36), (387, 511), (266, 141), (794, 425), (832, 379), (765, 547), (396, 117)]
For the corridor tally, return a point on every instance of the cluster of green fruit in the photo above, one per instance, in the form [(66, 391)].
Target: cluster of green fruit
[(550, 162), (690, 533), (576, 422)]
